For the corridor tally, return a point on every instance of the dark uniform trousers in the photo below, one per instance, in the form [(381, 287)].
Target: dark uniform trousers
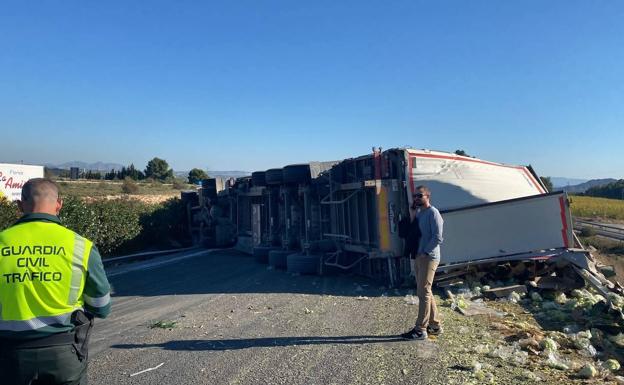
[(44, 365), (57, 359)]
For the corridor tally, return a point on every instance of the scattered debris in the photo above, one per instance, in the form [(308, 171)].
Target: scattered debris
[(411, 300), (360, 298), (147, 370), (163, 324), (502, 292), (308, 311)]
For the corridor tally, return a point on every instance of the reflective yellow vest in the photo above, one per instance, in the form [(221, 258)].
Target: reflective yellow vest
[(43, 269)]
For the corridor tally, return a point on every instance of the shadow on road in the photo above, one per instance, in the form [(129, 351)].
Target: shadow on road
[(229, 271), (235, 344)]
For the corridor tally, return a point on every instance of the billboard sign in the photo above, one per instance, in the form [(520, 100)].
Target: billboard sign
[(13, 177)]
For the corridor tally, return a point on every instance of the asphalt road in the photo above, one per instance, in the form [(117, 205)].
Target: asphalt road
[(239, 322)]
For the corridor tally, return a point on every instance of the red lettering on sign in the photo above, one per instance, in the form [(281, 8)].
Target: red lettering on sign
[(10, 184)]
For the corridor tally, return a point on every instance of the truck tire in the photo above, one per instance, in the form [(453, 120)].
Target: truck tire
[(303, 264), (274, 176), (258, 178), (277, 258), (261, 253), (297, 173)]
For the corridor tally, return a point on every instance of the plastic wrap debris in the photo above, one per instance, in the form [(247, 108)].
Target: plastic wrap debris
[(147, 370), (511, 354), (581, 341), (555, 362)]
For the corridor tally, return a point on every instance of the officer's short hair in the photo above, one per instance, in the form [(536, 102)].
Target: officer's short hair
[(40, 189)]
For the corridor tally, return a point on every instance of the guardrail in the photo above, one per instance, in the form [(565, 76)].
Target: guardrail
[(144, 255), (605, 230)]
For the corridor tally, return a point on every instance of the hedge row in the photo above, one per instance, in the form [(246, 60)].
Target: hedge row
[(118, 226)]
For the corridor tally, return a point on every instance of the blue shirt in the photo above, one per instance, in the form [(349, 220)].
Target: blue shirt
[(431, 224)]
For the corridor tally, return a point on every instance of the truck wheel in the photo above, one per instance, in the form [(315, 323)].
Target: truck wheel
[(303, 264), (297, 173), (277, 258)]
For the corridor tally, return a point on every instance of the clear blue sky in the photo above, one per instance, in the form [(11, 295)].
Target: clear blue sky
[(249, 85)]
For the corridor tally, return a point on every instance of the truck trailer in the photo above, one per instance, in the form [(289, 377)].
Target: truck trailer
[(323, 217)]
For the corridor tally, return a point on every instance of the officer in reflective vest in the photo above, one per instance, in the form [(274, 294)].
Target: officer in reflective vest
[(52, 284)]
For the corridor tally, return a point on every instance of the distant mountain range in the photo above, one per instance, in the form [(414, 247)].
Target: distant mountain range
[(560, 182), (97, 166), (582, 187)]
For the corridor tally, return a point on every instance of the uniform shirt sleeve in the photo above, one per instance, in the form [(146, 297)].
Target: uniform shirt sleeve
[(96, 293)]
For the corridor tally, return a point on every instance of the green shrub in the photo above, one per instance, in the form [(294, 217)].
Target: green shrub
[(9, 213), (118, 226), (587, 231), (165, 225)]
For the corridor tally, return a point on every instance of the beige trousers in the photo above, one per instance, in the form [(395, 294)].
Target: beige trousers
[(427, 309)]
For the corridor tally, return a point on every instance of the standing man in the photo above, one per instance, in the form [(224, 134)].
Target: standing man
[(430, 223), (52, 284)]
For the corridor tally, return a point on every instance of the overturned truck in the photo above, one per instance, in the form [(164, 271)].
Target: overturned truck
[(323, 217)]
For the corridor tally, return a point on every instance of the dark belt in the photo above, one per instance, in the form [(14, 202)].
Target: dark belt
[(51, 340)]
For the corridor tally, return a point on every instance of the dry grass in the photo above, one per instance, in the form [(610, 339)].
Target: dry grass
[(113, 189), (602, 208)]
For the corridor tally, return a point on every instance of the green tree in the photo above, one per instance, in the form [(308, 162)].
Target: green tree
[(461, 152), (158, 169), (547, 183), (196, 175)]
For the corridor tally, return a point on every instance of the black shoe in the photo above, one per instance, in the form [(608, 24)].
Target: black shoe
[(415, 335), (434, 331)]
